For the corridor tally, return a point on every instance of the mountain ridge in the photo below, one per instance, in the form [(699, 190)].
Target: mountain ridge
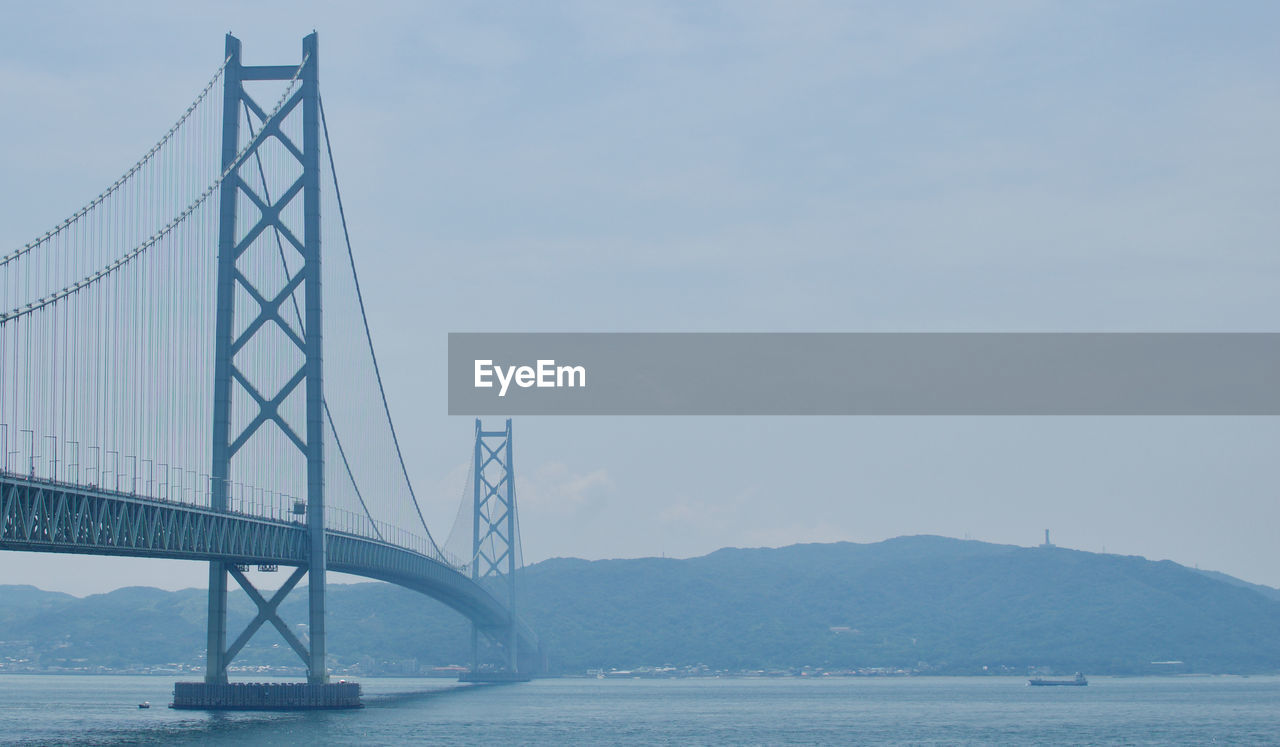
[(920, 603)]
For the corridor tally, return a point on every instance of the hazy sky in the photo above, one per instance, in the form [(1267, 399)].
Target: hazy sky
[(908, 166)]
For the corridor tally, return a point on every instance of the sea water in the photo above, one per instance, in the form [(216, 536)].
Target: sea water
[(72, 709)]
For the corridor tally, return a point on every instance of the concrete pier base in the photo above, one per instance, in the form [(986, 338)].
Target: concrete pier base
[(265, 696), (493, 677)]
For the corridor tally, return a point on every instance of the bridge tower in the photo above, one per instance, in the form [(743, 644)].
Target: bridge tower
[(494, 532), (250, 317)]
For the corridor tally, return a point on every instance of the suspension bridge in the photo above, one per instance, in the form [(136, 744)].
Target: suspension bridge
[(164, 393)]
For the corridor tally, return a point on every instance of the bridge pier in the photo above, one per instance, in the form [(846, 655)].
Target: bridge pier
[(317, 669), (495, 542), (263, 315), (215, 664)]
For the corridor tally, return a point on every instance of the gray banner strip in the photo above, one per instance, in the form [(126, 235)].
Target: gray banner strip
[(864, 374)]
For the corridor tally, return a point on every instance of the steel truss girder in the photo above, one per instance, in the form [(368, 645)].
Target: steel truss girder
[(42, 516), (37, 515), (361, 556)]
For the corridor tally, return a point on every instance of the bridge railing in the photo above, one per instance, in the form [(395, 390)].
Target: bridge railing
[(359, 524)]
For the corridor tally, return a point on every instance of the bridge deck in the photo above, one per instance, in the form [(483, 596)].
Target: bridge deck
[(45, 516)]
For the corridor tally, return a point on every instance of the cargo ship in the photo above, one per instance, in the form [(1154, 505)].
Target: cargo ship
[(1077, 681)]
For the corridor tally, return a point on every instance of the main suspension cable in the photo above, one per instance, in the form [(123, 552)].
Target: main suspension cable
[(368, 336), (118, 183), (21, 311)]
